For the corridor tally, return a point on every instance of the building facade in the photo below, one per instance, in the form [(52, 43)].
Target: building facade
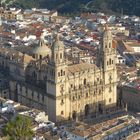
[(42, 77)]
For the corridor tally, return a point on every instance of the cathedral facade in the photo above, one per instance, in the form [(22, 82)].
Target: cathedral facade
[(42, 77)]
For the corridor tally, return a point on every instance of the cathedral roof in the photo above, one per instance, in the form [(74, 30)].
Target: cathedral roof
[(16, 56), (81, 67)]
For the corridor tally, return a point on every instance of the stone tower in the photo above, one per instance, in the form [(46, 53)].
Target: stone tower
[(107, 62), (56, 84)]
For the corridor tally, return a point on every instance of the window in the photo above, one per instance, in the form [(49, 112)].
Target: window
[(26, 90), (45, 77), (20, 89), (110, 100), (40, 57), (56, 56), (42, 98), (100, 81), (62, 102), (79, 97), (64, 73), (60, 55), (17, 71), (73, 98), (86, 95), (61, 72), (110, 61), (32, 94), (38, 95), (62, 112), (110, 77), (84, 81), (58, 74), (61, 88), (109, 45), (34, 74), (110, 89), (52, 72), (107, 63)]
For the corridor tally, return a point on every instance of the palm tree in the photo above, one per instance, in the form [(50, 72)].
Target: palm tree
[(19, 129)]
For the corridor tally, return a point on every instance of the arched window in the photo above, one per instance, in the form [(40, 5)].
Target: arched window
[(73, 98), (60, 55), (110, 61), (45, 77), (62, 112), (34, 74), (85, 82), (110, 89), (40, 56), (107, 63), (99, 92), (62, 101), (109, 45), (58, 74), (61, 72), (56, 56), (110, 77)]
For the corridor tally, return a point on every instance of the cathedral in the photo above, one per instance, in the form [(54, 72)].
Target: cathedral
[(40, 76)]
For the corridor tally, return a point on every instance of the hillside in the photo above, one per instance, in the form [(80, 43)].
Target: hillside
[(131, 7)]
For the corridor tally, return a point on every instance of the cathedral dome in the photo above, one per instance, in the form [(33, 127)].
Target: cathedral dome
[(41, 50)]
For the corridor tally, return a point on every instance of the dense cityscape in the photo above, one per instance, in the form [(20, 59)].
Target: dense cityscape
[(69, 78)]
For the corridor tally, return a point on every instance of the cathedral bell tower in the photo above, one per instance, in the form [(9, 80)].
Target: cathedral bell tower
[(57, 51), (107, 52), (56, 85), (58, 59), (107, 63)]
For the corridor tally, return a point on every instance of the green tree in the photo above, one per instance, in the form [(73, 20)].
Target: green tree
[(19, 129)]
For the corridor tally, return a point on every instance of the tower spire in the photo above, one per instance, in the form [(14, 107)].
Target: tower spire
[(41, 41), (106, 27)]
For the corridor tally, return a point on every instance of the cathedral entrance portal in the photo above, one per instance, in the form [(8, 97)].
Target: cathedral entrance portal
[(86, 109), (100, 108), (74, 115)]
